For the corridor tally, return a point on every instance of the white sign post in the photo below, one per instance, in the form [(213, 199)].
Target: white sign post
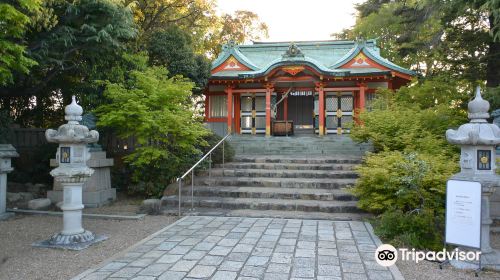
[(463, 213)]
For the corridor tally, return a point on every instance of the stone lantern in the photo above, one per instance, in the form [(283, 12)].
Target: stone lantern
[(7, 152), (477, 140), (72, 172)]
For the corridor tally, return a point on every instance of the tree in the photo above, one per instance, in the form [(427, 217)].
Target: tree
[(173, 48), (14, 20), (71, 41), (158, 112), (242, 26)]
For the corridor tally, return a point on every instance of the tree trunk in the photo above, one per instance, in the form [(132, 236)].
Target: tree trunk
[(493, 66)]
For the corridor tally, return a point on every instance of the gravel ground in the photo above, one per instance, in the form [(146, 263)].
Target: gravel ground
[(430, 270), (19, 260)]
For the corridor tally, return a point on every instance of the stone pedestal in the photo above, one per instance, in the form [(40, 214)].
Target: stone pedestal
[(7, 152), (97, 189)]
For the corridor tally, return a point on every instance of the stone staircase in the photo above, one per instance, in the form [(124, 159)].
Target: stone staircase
[(267, 179)]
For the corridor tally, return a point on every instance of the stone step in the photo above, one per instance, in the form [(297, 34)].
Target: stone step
[(244, 158), (342, 152), (278, 173), (287, 166), (306, 183), (276, 193), (265, 204)]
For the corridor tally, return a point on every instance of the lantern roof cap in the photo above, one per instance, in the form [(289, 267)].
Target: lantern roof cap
[(478, 108), (73, 111)]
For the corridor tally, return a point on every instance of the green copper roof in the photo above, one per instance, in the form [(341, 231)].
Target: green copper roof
[(324, 56)]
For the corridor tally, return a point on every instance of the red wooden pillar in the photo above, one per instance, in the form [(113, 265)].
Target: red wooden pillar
[(229, 92), (207, 106), (237, 112), (321, 113), (362, 88), (285, 108), (269, 91)]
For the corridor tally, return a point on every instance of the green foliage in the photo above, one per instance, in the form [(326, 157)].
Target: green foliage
[(173, 48), (407, 182), (404, 182), (14, 22), (5, 122), (156, 110), (412, 230)]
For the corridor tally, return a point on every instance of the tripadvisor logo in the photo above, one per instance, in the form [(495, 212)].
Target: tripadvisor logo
[(387, 255)]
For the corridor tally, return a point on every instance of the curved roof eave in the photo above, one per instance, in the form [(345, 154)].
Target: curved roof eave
[(375, 57), (237, 54), (309, 62)]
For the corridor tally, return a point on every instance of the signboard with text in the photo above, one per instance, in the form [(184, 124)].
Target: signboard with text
[(463, 213)]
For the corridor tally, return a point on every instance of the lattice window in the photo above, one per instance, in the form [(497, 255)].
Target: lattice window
[(331, 103), (346, 121), (260, 122), (346, 103), (332, 122), (218, 106), (316, 105), (246, 122), (370, 97), (260, 103), (246, 103)]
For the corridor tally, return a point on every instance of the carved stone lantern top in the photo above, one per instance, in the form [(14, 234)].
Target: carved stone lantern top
[(72, 132), (478, 131)]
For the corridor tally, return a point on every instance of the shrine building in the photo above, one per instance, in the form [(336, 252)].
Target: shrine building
[(283, 88)]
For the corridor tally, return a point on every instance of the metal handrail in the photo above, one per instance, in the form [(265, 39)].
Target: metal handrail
[(191, 170)]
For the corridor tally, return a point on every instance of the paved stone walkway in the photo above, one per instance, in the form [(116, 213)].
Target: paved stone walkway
[(250, 248)]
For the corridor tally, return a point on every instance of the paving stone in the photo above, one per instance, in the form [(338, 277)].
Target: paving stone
[(202, 271), (231, 266), (224, 275), (98, 275), (284, 249), (257, 261), (275, 276), (303, 272), (304, 262), (287, 241), (278, 268), (304, 253), (352, 267), (190, 241), (241, 257), (379, 275), (267, 237), (329, 278), (142, 277), (373, 265), (262, 252), (204, 246), (142, 262), (180, 249), (212, 239), (252, 271), (329, 270), (169, 258), (126, 272), (327, 252), (228, 242), (167, 245), (266, 244), (282, 258), (220, 251), (113, 266), (172, 275), (306, 245), (242, 248), (249, 240), (194, 255), (351, 257), (330, 260), (211, 260), (327, 244), (153, 254), (155, 269), (354, 276), (183, 266)]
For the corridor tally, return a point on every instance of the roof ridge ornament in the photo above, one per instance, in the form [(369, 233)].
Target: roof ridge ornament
[(229, 45), (293, 51)]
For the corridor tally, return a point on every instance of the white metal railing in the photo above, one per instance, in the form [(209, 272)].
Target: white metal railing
[(191, 170)]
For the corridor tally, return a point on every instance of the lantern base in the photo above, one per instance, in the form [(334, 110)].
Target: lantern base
[(71, 242)]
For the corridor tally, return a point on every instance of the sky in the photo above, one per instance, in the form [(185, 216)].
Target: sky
[(293, 20)]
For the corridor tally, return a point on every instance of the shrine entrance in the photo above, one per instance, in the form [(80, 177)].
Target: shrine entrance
[(300, 111)]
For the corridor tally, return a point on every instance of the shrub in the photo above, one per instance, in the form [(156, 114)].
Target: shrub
[(404, 182)]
